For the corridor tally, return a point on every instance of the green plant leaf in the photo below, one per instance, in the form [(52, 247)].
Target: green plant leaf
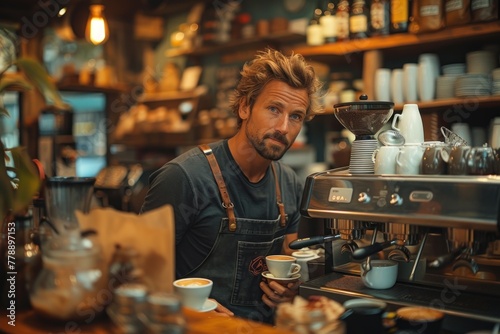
[(41, 79), (4, 112), (14, 82), (6, 190), (27, 178)]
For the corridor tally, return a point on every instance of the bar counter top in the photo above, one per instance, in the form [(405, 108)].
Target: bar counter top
[(28, 322)]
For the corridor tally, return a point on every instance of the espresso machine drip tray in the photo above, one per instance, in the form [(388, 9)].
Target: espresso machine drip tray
[(453, 301)]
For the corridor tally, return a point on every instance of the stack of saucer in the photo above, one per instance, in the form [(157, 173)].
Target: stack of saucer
[(473, 85), (495, 86), (453, 69), (361, 156)]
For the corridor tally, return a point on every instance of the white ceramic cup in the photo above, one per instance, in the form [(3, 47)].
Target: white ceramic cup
[(382, 275), (494, 136), (463, 130), (409, 159), (193, 291), (383, 84), (410, 78), (426, 82), (282, 266), (409, 124), (397, 86), (384, 159)]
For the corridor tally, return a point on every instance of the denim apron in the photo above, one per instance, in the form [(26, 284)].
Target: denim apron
[(240, 249)]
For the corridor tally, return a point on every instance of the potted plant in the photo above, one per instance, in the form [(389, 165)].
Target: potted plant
[(19, 179)]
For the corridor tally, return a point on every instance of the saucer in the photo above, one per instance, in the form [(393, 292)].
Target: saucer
[(209, 305), (281, 280)]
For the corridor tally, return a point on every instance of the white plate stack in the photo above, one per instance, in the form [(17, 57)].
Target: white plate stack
[(445, 84), (481, 62), (361, 156), (473, 85), (495, 86)]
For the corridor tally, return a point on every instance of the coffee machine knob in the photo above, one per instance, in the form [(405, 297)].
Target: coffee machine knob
[(396, 200), (364, 198)]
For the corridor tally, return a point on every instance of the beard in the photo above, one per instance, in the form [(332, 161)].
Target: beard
[(271, 151)]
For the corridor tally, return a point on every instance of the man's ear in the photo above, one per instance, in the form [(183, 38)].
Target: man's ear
[(244, 109)]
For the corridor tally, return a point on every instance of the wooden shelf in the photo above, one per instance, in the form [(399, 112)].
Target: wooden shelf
[(91, 89), (441, 104), (398, 41), (254, 42), (173, 96)]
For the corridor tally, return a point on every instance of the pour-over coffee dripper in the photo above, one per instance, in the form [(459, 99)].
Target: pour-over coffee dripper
[(363, 118), (64, 196)]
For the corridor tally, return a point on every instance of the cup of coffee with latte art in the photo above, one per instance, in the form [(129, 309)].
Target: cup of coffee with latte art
[(419, 319), (193, 291), (282, 266)]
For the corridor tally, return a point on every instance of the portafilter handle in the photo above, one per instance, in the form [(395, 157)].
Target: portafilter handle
[(364, 252), (317, 240)]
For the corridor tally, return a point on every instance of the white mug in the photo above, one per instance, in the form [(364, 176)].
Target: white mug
[(426, 82), (409, 124), (495, 132), (384, 159), (382, 275), (383, 84), (463, 130), (397, 86), (410, 77), (409, 159)]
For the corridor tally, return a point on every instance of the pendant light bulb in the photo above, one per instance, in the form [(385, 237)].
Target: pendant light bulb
[(97, 31)]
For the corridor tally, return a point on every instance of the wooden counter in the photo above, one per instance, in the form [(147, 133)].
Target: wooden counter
[(28, 322)]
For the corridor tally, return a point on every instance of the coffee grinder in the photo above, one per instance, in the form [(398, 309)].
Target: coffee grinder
[(363, 118)]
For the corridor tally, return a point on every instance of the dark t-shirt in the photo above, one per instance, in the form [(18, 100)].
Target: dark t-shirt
[(188, 185)]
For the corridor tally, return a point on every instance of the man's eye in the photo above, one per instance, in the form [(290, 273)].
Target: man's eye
[(297, 117), (273, 109)]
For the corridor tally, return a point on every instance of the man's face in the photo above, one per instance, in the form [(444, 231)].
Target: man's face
[(275, 119)]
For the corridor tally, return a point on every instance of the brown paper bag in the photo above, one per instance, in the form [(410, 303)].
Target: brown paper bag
[(150, 234)]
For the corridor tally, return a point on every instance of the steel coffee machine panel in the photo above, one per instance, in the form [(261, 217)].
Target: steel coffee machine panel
[(458, 201), (442, 231)]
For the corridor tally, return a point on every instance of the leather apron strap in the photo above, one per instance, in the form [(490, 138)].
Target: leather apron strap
[(281, 206), (226, 201)]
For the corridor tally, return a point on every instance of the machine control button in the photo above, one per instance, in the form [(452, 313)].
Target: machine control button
[(421, 196), (364, 198), (396, 199)]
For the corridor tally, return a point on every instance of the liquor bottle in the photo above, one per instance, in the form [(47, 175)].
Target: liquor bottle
[(400, 16), (380, 17), (328, 22), (342, 15), (314, 33), (358, 20)]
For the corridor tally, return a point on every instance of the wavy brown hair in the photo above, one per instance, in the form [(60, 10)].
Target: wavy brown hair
[(271, 65)]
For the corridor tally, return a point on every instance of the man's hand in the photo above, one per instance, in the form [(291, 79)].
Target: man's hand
[(275, 293), (221, 310)]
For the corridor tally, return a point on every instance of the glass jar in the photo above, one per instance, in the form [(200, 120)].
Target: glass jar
[(128, 304), (21, 260), (71, 285), (164, 314)]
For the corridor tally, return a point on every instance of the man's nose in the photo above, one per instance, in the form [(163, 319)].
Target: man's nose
[(282, 124)]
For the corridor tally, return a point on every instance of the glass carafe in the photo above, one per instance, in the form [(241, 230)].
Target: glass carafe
[(71, 285)]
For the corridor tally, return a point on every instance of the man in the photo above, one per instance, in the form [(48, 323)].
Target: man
[(227, 221)]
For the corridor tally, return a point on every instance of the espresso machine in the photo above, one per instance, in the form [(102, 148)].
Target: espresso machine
[(444, 232)]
